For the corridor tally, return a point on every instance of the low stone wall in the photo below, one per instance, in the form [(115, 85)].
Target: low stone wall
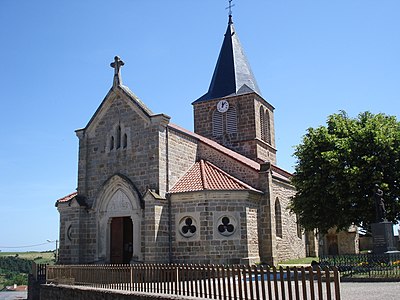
[(66, 292)]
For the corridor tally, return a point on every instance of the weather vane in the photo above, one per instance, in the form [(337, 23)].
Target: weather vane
[(230, 7)]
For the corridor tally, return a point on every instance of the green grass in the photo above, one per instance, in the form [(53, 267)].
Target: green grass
[(299, 261), (38, 257)]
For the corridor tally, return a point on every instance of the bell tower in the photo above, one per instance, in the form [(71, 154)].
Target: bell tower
[(233, 112)]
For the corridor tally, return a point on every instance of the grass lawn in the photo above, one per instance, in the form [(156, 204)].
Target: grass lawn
[(299, 261), (38, 257)]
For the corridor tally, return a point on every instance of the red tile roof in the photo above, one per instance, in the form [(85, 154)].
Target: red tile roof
[(16, 288), (67, 198), (203, 175)]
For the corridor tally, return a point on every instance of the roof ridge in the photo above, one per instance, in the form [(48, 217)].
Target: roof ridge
[(238, 181), (203, 175), (234, 155), (281, 171)]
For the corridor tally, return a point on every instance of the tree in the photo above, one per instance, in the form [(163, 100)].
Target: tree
[(340, 166)]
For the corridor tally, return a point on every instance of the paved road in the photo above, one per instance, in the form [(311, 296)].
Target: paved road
[(13, 295), (349, 291), (370, 290)]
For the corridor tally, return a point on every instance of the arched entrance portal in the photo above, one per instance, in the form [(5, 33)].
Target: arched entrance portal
[(119, 216), (121, 240)]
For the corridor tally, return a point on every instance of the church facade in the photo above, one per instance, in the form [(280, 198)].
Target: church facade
[(151, 191)]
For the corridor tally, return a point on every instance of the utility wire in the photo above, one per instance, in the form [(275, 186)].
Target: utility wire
[(28, 246)]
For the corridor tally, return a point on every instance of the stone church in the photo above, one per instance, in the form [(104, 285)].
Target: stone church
[(151, 191)]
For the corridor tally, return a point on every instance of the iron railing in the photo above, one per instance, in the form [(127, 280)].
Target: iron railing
[(365, 265)]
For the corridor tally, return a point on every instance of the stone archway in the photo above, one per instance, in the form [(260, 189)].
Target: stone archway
[(118, 222)]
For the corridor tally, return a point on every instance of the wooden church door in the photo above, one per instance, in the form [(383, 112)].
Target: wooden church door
[(121, 240)]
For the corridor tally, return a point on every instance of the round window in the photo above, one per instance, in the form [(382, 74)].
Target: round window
[(226, 225), (187, 227)]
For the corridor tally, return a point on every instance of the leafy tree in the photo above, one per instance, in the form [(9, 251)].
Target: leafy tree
[(15, 264), (340, 166), (16, 278)]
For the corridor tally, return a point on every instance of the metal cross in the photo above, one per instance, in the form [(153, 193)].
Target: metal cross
[(230, 7), (116, 65)]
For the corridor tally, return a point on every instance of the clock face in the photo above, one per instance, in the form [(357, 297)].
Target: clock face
[(222, 106)]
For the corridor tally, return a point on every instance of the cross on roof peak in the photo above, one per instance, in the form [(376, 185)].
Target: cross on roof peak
[(230, 7), (116, 65)]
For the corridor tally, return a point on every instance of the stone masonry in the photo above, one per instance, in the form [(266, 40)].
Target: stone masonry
[(126, 210)]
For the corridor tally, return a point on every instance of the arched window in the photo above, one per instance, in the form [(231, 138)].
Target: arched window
[(231, 120), (119, 137), (262, 123), (112, 143), (125, 141), (265, 125), (267, 130), (217, 123), (278, 218)]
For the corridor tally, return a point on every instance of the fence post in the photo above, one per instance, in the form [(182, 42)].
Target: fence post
[(311, 279), (336, 276), (296, 282), (328, 283), (281, 278), (275, 274), (289, 282)]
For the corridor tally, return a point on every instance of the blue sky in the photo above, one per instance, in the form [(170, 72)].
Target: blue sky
[(311, 58)]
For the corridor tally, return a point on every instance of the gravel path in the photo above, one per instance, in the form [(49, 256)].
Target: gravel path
[(370, 290)]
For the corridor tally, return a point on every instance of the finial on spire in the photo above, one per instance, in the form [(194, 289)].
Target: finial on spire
[(116, 65), (230, 7)]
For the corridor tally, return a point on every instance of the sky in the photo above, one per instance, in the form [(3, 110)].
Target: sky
[(311, 58)]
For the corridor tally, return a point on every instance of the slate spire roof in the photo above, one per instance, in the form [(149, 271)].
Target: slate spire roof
[(232, 73)]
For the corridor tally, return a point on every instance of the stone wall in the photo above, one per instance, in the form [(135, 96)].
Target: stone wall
[(138, 159), (204, 211), (155, 229), (291, 244), (247, 139), (70, 232), (182, 154), (229, 164), (340, 242), (64, 292), (349, 241)]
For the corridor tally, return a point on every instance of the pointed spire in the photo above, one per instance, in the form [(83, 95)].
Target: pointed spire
[(116, 65), (232, 73)]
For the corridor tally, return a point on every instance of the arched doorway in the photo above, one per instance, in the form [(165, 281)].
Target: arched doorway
[(332, 241), (121, 240), (119, 216)]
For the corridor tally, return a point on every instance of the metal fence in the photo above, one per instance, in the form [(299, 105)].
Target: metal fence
[(39, 272), (365, 265), (204, 281)]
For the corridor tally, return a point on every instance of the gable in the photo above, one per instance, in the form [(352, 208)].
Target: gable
[(119, 101)]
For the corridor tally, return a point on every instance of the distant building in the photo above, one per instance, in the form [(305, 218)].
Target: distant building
[(151, 191), (15, 288)]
